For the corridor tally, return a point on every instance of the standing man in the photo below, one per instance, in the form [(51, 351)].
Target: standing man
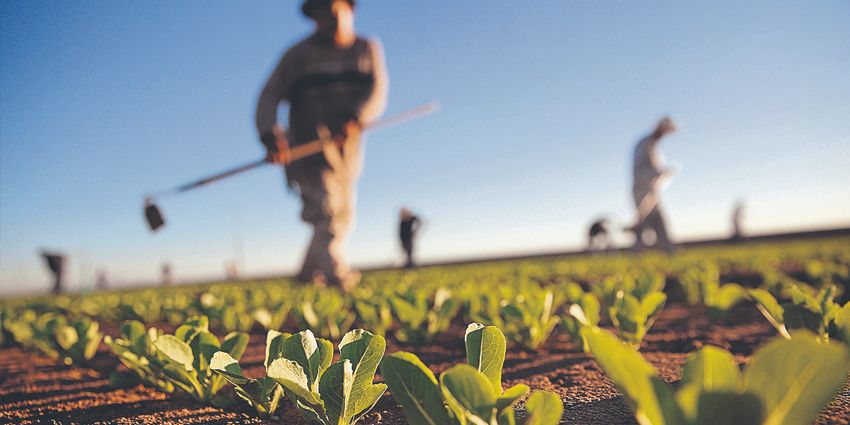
[(737, 218), (335, 82), (408, 226), (55, 262), (648, 176)]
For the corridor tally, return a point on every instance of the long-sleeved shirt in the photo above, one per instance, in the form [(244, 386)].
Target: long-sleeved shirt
[(648, 167), (324, 84)]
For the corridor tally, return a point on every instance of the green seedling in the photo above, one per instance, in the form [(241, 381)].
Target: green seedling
[(802, 311), (71, 342), (329, 315), (262, 394), (584, 312), (528, 319), (180, 360), (467, 393), (420, 320), (786, 382), (633, 317), (325, 393)]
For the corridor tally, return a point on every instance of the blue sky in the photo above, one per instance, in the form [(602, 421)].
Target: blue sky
[(542, 102)]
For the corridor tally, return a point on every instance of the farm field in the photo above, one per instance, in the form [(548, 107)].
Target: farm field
[(699, 297)]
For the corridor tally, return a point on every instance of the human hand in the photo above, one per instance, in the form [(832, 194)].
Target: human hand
[(277, 146)]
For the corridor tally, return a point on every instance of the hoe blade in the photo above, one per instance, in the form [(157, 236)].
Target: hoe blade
[(153, 216)]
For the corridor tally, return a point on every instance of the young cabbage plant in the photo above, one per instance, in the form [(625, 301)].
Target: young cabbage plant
[(421, 320), (840, 326), (529, 318), (329, 315), (324, 393), (374, 314), (136, 351), (802, 311), (182, 359), (54, 336), (633, 316), (273, 319), (584, 312), (466, 393), (187, 353), (720, 299), (262, 394), (785, 382), (638, 285), (695, 279)]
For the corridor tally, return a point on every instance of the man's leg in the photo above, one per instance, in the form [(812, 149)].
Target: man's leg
[(313, 212), (662, 239), (407, 245), (331, 228)]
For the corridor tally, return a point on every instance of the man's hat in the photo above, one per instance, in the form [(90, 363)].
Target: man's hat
[(310, 6)]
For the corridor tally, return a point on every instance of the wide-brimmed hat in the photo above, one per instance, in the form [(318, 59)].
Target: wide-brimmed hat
[(310, 6)]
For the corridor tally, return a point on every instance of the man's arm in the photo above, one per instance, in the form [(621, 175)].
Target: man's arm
[(375, 103), (274, 92)]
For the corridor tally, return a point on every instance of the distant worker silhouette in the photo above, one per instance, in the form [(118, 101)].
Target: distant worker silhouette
[(408, 227), (55, 263), (737, 218), (334, 82), (649, 175), (598, 238)]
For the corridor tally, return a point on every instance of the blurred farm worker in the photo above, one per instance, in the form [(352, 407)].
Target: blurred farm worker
[(598, 238), (408, 227), (335, 82), (55, 263), (649, 174), (737, 217)]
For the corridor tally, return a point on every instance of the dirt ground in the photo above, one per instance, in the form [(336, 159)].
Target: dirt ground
[(34, 389)]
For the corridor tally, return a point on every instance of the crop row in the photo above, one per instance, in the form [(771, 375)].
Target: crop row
[(795, 286)]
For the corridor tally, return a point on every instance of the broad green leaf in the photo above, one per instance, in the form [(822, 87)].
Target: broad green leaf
[(543, 408), (203, 346), (193, 326), (590, 305), (468, 393), (66, 336), (132, 330), (796, 378), (302, 348), (263, 317), (652, 305), (184, 379), (368, 399), (710, 369), (175, 350), (511, 396), (415, 388), (291, 376), (485, 351), (364, 350), (235, 344), (632, 375), (274, 346), (771, 310), (335, 390), (223, 363), (729, 295), (731, 408)]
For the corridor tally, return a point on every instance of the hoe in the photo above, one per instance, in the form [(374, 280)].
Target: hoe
[(154, 217)]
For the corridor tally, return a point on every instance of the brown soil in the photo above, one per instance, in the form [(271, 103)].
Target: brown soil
[(34, 389)]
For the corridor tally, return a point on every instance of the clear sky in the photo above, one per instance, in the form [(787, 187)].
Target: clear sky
[(542, 103)]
